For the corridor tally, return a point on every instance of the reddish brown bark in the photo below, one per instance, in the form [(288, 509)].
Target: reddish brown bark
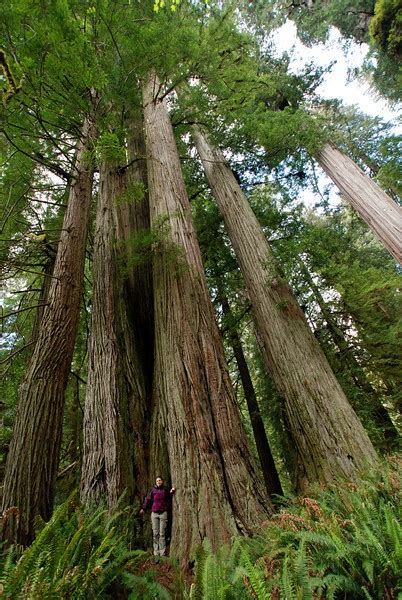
[(107, 465), (34, 450), (132, 221), (328, 438), (218, 492), (376, 208)]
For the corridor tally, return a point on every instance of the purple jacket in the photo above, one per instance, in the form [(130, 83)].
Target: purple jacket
[(159, 499)]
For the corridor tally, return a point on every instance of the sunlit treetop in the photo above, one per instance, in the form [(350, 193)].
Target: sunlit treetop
[(173, 4)]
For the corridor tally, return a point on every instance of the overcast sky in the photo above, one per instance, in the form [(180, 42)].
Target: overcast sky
[(335, 84)]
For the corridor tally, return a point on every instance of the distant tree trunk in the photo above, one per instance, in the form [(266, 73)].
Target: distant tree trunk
[(376, 409), (218, 492), (328, 438), (131, 214), (75, 417), (107, 465), (269, 471), (377, 209), (34, 450)]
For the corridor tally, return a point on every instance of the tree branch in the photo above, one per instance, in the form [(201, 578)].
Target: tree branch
[(10, 356), (16, 312)]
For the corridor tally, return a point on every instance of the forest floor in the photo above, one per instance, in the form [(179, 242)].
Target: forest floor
[(163, 572), (166, 574)]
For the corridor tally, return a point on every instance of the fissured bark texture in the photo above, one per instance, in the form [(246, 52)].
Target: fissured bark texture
[(218, 491), (376, 208), (34, 450), (327, 438)]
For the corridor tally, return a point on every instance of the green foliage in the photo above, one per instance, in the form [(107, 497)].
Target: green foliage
[(351, 300), (110, 149), (288, 132), (144, 587), (377, 23), (158, 4), (216, 576), (75, 555), (372, 143), (110, 46), (314, 19), (135, 192), (343, 542), (386, 27), (154, 243)]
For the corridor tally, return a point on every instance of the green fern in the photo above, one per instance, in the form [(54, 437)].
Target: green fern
[(253, 577), (343, 542), (288, 585), (197, 586), (145, 587), (210, 581), (73, 556)]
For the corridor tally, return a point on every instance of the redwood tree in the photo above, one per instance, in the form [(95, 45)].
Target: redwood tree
[(328, 439), (33, 456), (218, 491), (132, 226), (378, 210), (107, 468)]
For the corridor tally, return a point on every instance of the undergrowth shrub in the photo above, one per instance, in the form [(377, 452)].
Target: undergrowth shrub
[(75, 555), (343, 542)]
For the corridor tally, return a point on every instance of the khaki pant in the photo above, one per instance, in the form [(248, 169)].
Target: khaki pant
[(159, 523)]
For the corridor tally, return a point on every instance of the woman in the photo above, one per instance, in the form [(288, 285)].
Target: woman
[(159, 500)]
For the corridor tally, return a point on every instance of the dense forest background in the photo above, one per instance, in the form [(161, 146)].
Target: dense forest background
[(170, 304)]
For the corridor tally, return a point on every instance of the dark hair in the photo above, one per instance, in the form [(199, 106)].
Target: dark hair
[(159, 477)]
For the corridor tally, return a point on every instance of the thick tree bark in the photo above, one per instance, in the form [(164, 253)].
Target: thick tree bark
[(131, 215), (328, 438), (34, 450), (269, 471), (107, 466), (375, 207), (356, 151), (218, 492)]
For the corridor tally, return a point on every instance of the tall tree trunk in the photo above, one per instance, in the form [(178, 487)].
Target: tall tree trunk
[(132, 222), (328, 438), (107, 468), (218, 491), (269, 471), (375, 407), (377, 209), (34, 450)]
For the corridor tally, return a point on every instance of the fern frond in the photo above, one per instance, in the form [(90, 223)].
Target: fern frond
[(288, 585), (200, 556), (255, 577)]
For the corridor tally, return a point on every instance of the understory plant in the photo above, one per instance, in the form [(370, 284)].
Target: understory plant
[(75, 555), (343, 542)]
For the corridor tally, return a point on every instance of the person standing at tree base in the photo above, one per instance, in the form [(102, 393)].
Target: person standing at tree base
[(159, 500)]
